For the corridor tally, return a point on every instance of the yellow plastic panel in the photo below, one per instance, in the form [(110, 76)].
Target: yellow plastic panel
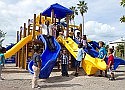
[(89, 64)]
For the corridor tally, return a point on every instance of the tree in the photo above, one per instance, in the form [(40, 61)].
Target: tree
[(123, 3), (2, 35), (107, 46), (122, 19), (75, 12), (120, 48), (82, 7)]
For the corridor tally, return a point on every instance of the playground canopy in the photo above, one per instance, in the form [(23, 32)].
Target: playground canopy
[(59, 10)]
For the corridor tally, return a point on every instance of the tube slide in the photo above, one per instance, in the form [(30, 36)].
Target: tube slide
[(89, 64), (48, 58), (18, 46)]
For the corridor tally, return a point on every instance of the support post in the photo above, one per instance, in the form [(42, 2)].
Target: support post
[(23, 49), (33, 31), (27, 45), (28, 33), (40, 22), (80, 30), (34, 26), (17, 54), (67, 20), (20, 51), (52, 16)]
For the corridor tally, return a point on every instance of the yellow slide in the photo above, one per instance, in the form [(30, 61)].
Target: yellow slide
[(89, 64), (18, 46)]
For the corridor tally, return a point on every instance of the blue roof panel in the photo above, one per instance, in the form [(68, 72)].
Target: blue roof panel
[(59, 10)]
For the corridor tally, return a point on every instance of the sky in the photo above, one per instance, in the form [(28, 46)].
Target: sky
[(101, 20)]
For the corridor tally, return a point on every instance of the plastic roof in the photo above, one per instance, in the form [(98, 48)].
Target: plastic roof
[(59, 10)]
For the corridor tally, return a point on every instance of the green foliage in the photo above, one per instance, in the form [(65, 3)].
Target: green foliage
[(122, 19), (123, 3), (120, 49), (107, 46), (75, 12), (82, 7), (2, 36)]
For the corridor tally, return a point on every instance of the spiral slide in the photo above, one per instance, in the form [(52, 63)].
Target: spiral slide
[(89, 64), (48, 58)]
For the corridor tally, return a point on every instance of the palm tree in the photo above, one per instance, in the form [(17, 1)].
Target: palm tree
[(82, 6), (122, 19), (123, 3), (75, 12)]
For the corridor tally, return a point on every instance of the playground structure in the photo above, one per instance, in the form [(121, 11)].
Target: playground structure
[(89, 64), (24, 44), (27, 35)]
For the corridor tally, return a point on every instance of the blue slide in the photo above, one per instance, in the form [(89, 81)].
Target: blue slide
[(9, 47), (94, 44), (12, 58), (48, 58), (92, 51), (117, 61)]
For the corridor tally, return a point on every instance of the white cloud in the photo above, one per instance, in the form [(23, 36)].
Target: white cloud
[(102, 21), (13, 15), (99, 31)]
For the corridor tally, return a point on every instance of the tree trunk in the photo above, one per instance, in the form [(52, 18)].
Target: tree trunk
[(74, 27), (83, 26), (74, 23), (124, 49)]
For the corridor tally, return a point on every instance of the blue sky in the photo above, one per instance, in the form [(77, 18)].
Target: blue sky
[(101, 20)]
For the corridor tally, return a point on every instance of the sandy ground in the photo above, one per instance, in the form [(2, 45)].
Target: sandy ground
[(18, 79)]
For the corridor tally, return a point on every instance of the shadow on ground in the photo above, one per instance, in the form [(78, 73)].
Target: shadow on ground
[(123, 78), (59, 85), (120, 76), (56, 79), (14, 71), (18, 80)]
